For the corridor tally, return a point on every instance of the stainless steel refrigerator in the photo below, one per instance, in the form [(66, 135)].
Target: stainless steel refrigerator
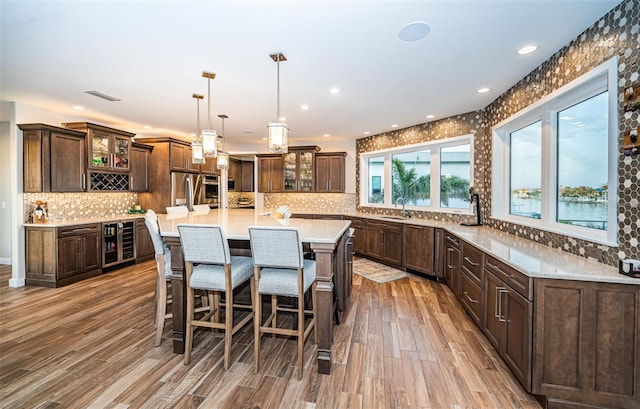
[(186, 190)]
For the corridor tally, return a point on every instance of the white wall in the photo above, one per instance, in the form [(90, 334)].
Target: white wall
[(6, 203)]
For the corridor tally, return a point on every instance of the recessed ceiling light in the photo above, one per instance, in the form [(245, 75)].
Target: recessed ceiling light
[(394, 125), (483, 90), (414, 31), (334, 91), (304, 107), (367, 133), (147, 127), (326, 135), (78, 107), (430, 116), (527, 49), (102, 95)]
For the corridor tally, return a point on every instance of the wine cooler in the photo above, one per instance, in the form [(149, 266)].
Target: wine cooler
[(118, 242)]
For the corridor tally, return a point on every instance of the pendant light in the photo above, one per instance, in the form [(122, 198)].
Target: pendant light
[(209, 135), (197, 154), (278, 131), (223, 157)]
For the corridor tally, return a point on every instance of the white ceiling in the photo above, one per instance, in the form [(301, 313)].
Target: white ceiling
[(151, 54)]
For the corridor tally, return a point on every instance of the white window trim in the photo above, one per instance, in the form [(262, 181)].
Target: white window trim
[(435, 170), (545, 110)]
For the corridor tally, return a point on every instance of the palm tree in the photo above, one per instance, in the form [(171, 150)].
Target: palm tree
[(453, 187), (408, 185)]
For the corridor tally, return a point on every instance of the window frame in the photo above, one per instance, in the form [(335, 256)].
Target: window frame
[(599, 79), (434, 147)]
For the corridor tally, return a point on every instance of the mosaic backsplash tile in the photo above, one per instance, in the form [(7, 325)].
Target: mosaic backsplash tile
[(236, 199), (615, 34), (312, 202), (70, 206)]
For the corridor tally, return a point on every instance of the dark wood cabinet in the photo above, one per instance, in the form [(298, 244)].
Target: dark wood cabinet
[(439, 251), (298, 169), (54, 159), (139, 177), (452, 263), (235, 171), (57, 256), (144, 245), (108, 149), (270, 173), (210, 166), (587, 344), (330, 172), (472, 259), (360, 240), (384, 241), (180, 158), (471, 297), (246, 183), (508, 325), (418, 248)]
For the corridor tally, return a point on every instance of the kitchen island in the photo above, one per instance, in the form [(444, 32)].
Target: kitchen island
[(327, 239)]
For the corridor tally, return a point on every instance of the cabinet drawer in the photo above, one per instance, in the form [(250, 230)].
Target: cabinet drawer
[(451, 240), (512, 277), (471, 297), (397, 227), (472, 261), (79, 229)]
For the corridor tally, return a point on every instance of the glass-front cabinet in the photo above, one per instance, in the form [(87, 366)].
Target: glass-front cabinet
[(298, 169), (108, 149)]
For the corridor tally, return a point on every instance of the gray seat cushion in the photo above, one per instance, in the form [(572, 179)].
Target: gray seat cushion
[(283, 281), (211, 276)]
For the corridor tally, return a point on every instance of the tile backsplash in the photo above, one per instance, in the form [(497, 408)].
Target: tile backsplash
[(70, 206), (312, 202)]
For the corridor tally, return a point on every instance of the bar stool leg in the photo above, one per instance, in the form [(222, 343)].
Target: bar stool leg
[(257, 320)]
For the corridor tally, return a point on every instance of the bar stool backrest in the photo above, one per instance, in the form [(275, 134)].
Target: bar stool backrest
[(151, 220), (279, 247), (204, 243), (177, 210)]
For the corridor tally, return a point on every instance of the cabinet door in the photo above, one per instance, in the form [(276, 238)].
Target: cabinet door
[(191, 167), (452, 270), (517, 316), (33, 166), (69, 257), (375, 241), (235, 172), (247, 176), (99, 150), (471, 297), (177, 157), (392, 242), (144, 245), (121, 152), (139, 178), (270, 174), (493, 327), (290, 169), (329, 175), (91, 256), (305, 172), (360, 239), (210, 166), (418, 248), (67, 163)]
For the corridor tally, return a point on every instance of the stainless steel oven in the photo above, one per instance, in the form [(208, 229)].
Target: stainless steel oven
[(211, 185)]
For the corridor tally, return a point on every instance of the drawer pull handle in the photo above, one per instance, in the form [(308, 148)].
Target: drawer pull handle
[(501, 291), (452, 240), (495, 267), (468, 260), (471, 300)]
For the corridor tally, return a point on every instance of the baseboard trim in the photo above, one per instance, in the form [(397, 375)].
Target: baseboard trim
[(17, 282)]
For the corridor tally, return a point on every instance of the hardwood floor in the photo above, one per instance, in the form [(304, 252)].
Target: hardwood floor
[(404, 344)]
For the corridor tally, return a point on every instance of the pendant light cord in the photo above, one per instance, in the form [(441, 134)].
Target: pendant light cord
[(278, 89)]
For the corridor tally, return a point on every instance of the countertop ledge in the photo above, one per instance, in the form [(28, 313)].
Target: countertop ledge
[(533, 259)]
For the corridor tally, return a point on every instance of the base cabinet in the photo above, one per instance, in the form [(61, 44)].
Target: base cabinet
[(452, 263), (63, 255), (144, 245), (587, 344), (418, 248)]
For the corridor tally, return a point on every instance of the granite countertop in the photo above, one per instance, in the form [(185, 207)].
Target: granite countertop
[(531, 258), (84, 220)]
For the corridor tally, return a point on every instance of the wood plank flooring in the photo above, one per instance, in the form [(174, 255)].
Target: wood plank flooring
[(404, 344)]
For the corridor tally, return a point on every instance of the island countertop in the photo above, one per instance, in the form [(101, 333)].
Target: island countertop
[(235, 223)]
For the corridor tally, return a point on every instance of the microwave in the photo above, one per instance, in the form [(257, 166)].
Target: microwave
[(231, 185)]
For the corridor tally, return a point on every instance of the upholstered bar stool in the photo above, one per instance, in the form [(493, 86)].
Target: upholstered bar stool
[(163, 272), (181, 210), (210, 267), (281, 270)]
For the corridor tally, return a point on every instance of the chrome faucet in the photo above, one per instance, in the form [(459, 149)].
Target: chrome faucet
[(404, 212)]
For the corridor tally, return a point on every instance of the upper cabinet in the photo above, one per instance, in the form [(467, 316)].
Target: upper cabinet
[(299, 165), (180, 158), (235, 171), (247, 176), (108, 149), (329, 174), (270, 173), (210, 166), (54, 159), (139, 176)]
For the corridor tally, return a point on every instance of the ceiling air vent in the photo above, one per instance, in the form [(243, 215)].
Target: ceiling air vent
[(103, 96)]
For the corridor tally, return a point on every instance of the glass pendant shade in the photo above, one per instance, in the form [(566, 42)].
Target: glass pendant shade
[(197, 153), (223, 160), (209, 143), (278, 137)]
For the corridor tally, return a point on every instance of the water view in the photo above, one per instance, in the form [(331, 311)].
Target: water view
[(592, 214)]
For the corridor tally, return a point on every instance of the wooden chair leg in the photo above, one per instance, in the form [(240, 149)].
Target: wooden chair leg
[(228, 325), (300, 334), (257, 321), (274, 311), (161, 309), (189, 328)]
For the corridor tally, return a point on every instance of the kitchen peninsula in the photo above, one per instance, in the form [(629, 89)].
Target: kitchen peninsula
[(327, 238)]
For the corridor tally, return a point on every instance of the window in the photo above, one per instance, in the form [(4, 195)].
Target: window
[(432, 176), (553, 162)]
